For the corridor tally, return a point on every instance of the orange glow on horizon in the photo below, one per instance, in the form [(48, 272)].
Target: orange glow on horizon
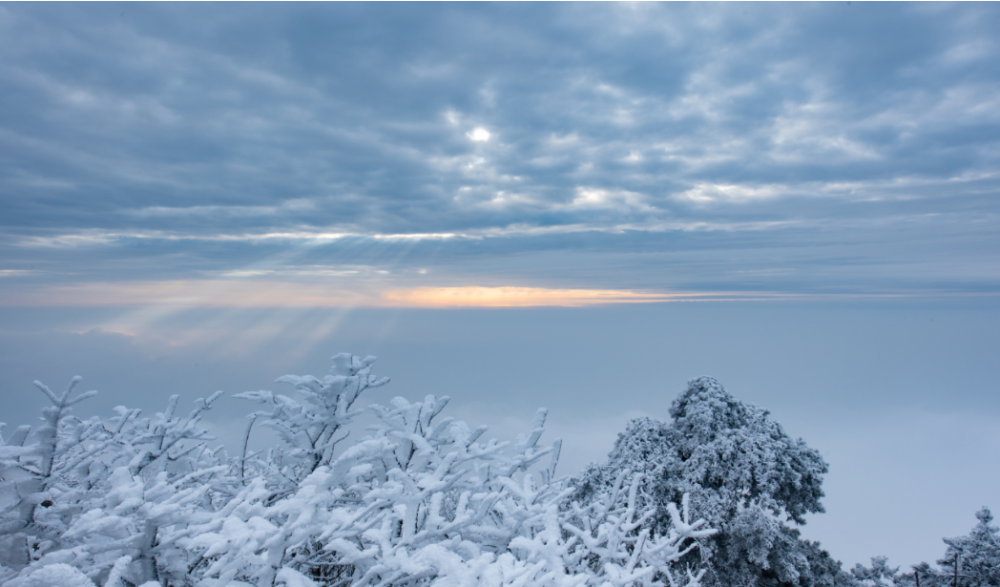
[(506, 297), (258, 293)]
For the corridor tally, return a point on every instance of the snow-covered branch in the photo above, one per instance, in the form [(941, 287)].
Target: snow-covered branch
[(419, 499)]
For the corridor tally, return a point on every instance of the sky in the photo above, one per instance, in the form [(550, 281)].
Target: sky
[(579, 206)]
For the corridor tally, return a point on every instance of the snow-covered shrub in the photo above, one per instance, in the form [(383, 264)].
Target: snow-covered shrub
[(91, 494), (30, 474), (43, 482), (419, 500), (311, 427), (423, 502)]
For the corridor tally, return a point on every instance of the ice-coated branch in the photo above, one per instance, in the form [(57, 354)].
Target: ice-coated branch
[(418, 498), (154, 439), (312, 425), (48, 433)]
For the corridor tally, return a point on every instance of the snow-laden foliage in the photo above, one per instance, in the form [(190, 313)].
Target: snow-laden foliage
[(972, 560), (742, 473), (418, 500), (977, 555), (880, 574), (92, 493), (311, 427)]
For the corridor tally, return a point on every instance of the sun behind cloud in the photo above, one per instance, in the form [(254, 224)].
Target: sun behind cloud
[(479, 135)]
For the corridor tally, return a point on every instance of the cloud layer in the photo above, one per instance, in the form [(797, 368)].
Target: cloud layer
[(801, 149)]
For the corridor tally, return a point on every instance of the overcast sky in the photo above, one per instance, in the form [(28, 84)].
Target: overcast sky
[(202, 196)]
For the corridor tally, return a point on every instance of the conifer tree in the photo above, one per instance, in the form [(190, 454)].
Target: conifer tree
[(744, 475), (973, 560)]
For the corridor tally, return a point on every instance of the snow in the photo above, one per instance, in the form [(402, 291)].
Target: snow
[(59, 574), (419, 498), (711, 498)]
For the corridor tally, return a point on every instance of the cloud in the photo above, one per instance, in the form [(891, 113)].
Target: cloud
[(411, 134), (706, 193), (15, 272), (225, 211), (599, 198)]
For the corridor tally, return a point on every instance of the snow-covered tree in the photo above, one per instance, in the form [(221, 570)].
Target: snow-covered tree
[(422, 501), (419, 500), (973, 560), (743, 474), (40, 480), (93, 493), (312, 427), (880, 574), (969, 561)]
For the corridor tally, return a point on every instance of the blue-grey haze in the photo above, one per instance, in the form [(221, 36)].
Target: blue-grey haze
[(900, 397)]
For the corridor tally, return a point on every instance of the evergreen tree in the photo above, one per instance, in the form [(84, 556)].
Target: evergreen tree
[(970, 561), (973, 560), (744, 475), (880, 574)]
